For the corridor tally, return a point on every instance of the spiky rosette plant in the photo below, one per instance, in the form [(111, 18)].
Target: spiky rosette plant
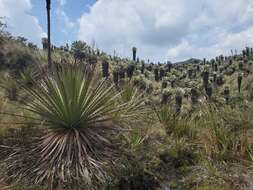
[(78, 114)]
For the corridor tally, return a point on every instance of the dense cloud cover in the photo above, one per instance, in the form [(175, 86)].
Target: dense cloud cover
[(169, 29), (161, 29), (19, 22)]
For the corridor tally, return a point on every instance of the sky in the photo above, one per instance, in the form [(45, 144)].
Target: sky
[(162, 30)]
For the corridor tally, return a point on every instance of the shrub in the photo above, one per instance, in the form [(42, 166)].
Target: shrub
[(78, 114), (180, 155)]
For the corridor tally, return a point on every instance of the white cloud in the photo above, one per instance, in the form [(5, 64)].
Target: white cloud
[(169, 29), (62, 2), (19, 22), (64, 21)]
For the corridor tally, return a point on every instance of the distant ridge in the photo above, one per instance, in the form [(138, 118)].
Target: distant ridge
[(189, 61)]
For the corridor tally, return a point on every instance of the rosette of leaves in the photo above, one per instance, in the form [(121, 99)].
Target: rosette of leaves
[(230, 71), (122, 72), (240, 65), (178, 99), (226, 94), (220, 80), (194, 96), (161, 73), (115, 76), (175, 72), (79, 113), (205, 78), (147, 74), (172, 81), (79, 50), (156, 73), (183, 75), (239, 81), (140, 82), (149, 67), (92, 59), (166, 95), (190, 72), (214, 78), (168, 67), (164, 84), (150, 87), (105, 67), (138, 72), (209, 91), (142, 67), (187, 92)]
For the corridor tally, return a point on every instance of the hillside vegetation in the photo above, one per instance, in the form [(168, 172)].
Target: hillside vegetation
[(96, 121)]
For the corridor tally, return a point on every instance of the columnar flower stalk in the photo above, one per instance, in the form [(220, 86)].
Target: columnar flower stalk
[(227, 94), (115, 76), (215, 67), (194, 96), (130, 71), (205, 79), (190, 73), (105, 69), (240, 65), (149, 67), (162, 73), (134, 49), (244, 53), (198, 68), (169, 66), (209, 91), (122, 73), (156, 72), (239, 82), (48, 6), (142, 67), (214, 77), (172, 83), (247, 51), (212, 63), (150, 88), (222, 58), (230, 62), (164, 84), (178, 102), (219, 80)]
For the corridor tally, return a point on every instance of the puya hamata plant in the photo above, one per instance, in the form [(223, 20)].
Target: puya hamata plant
[(78, 113)]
